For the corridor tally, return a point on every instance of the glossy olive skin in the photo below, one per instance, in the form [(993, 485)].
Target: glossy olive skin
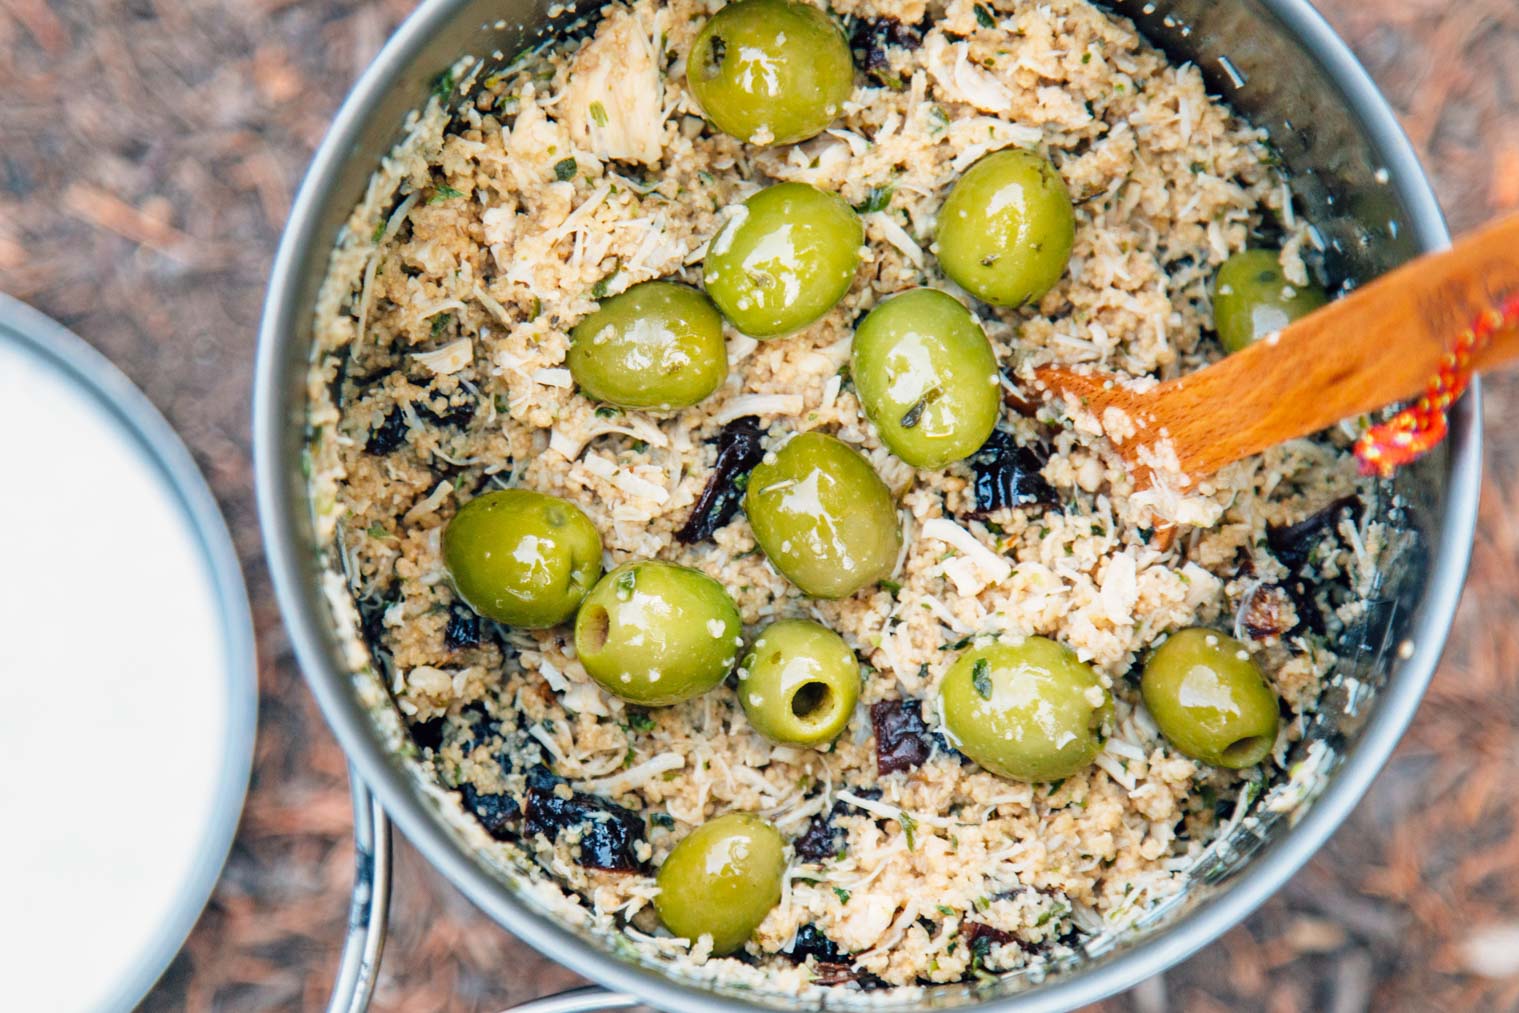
[(721, 880), (927, 377), (823, 516), (776, 69), (1209, 699), (1252, 298), (783, 259), (1006, 229), (1034, 712), (657, 345), (656, 633), (799, 683), (522, 558)]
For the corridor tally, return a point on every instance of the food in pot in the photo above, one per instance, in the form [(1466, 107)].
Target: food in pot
[(927, 377), (1209, 699), (900, 611), (785, 257), (1252, 298), (770, 71), (799, 683)]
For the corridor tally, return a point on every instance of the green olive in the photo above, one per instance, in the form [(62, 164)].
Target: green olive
[(1033, 712), (1006, 229), (721, 880), (927, 377), (656, 633), (799, 683), (657, 345), (1209, 700), (522, 558), (823, 516), (770, 71), (1252, 298), (784, 258)]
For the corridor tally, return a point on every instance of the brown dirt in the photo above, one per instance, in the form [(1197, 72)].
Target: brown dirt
[(148, 153)]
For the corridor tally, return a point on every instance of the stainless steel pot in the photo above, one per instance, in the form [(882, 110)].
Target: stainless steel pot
[(1356, 178)]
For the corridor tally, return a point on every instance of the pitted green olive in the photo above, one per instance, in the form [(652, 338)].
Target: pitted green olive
[(1253, 298), (722, 880), (1209, 700), (771, 71), (656, 633), (799, 683), (784, 258), (657, 345), (823, 516), (927, 377), (1007, 227), (521, 557), (1034, 712)]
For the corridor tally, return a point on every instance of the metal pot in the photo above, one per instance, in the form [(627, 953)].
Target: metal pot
[(1356, 178)]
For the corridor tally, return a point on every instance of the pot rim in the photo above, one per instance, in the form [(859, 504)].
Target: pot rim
[(1262, 876)]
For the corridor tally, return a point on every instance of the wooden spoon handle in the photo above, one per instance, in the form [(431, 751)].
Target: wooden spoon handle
[(1378, 345)]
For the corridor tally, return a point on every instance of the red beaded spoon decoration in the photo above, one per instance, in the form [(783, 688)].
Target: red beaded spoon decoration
[(1417, 429)]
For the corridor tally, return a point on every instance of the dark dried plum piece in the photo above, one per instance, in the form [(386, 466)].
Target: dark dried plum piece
[(463, 629), (608, 832), (903, 741), (821, 840), (441, 410), (811, 941), (1008, 475), (388, 435), (738, 451), (482, 727), (540, 778), (498, 814), (869, 40), (1294, 543), (428, 734)]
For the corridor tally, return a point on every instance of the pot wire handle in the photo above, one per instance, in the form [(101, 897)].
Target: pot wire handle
[(368, 906), (586, 999)]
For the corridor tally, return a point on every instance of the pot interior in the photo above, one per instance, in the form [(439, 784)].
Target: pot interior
[(1351, 177)]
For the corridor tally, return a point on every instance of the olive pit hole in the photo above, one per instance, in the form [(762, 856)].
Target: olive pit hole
[(597, 625), (1247, 751), (811, 700)]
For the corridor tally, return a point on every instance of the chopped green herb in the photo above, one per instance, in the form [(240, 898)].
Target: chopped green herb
[(439, 322), (377, 530), (502, 404), (842, 894), (565, 169), (607, 411), (946, 910), (662, 820), (984, 17), (957, 645), (443, 193), (877, 199), (909, 827), (981, 678), (599, 114), (379, 232), (639, 721), (640, 447), (891, 587), (443, 85)]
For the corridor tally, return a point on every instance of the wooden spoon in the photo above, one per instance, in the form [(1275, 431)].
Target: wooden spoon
[(1376, 346)]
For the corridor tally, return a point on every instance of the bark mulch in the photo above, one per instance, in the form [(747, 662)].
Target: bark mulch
[(148, 153)]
